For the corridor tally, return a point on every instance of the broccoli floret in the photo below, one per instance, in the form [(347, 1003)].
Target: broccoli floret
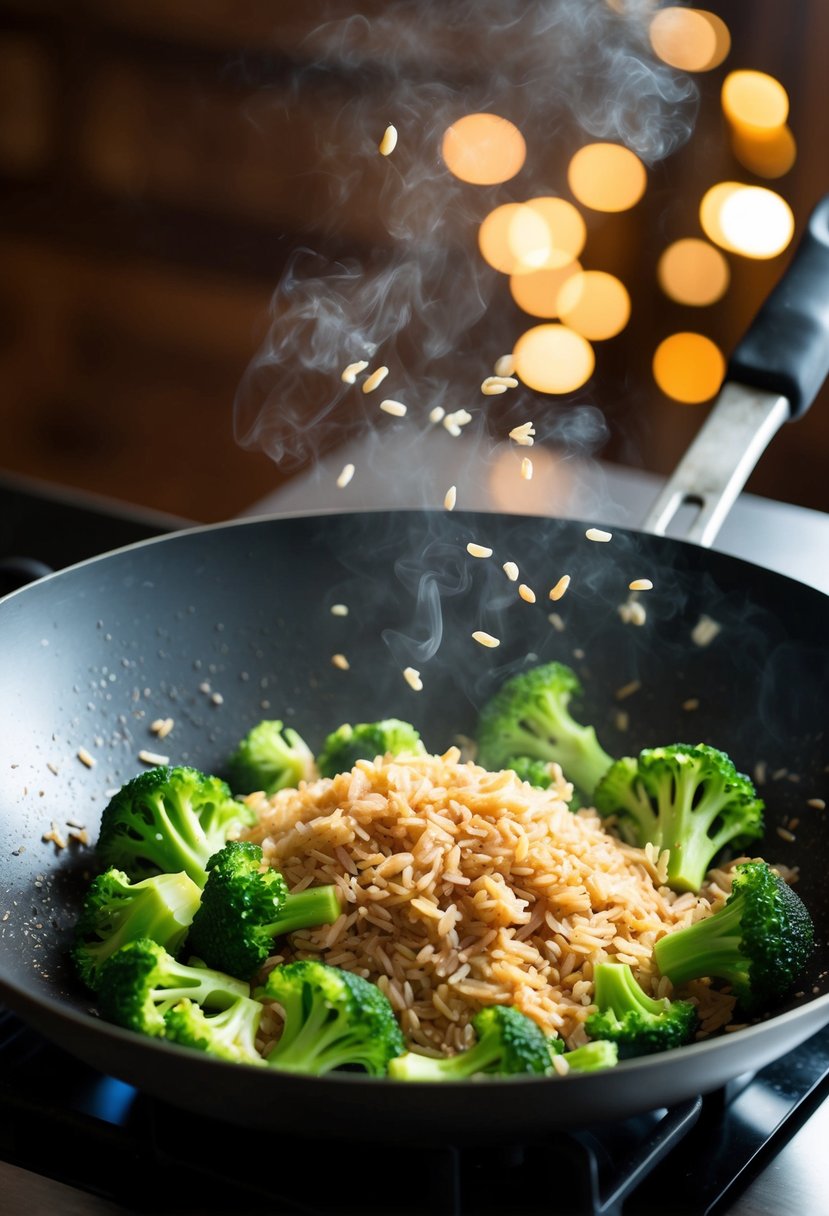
[(167, 820), (228, 1035), (529, 716), (243, 910), (688, 800), (536, 772), (270, 758), (637, 1023), (758, 942), (365, 741), (332, 1019), (591, 1057), (116, 911), (508, 1043), (140, 982)]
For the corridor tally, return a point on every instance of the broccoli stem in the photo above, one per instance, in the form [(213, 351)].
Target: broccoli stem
[(414, 1067), (708, 947), (616, 988), (685, 827), (316, 906)]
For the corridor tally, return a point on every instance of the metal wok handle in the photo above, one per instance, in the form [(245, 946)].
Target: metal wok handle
[(773, 376)]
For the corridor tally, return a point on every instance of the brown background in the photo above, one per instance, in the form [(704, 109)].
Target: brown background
[(154, 173)]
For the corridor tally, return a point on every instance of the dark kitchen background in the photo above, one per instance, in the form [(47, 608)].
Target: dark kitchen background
[(157, 167)]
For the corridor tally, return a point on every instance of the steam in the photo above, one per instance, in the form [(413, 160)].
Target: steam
[(412, 291)]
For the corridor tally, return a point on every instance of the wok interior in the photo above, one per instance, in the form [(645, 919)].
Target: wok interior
[(92, 656)]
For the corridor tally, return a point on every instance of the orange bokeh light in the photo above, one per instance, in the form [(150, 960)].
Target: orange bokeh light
[(683, 38), (537, 293), (693, 272), (754, 101), (553, 359), (688, 367), (769, 155), (568, 231), (607, 177), (595, 304), (483, 149), (749, 220), (514, 239)]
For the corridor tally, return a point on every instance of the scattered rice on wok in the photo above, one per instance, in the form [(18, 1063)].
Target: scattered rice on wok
[(463, 888)]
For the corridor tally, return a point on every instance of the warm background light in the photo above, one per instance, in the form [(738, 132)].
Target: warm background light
[(514, 239), (688, 367), (754, 100), (757, 222), (722, 39), (595, 304), (767, 155), (567, 229), (606, 177), (710, 211), (537, 293), (483, 149), (553, 359), (691, 271), (683, 38)]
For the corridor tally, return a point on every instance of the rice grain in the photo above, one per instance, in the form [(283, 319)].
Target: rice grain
[(375, 379), (389, 141)]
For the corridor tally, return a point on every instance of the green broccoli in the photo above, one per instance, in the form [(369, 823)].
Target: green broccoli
[(529, 717), (688, 800), (637, 1023), (758, 942), (167, 820), (590, 1057), (508, 1043), (243, 910), (140, 982), (536, 772), (270, 758), (116, 911), (228, 1035), (365, 741), (332, 1019)]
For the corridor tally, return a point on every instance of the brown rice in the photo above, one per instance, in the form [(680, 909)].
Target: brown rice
[(463, 888)]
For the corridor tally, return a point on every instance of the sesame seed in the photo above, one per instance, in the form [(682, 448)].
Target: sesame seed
[(85, 758), (53, 768), (640, 584), (511, 571), (486, 639), (349, 374), (598, 534), (412, 678), (561, 586), (478, 550), (345, 476), (375, 379), (527, 469), (396, 408), (389, 141), (526, 593), (450, 498), (505, 366), (437, 414), (817, 803), (152, 758), (340, 661)]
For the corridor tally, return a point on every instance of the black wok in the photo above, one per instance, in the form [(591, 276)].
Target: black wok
[(94, 654)]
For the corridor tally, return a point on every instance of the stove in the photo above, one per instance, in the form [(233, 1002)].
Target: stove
[(75, 1141)]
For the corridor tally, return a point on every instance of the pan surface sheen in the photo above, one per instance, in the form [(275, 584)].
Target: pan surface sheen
[(91, 656)]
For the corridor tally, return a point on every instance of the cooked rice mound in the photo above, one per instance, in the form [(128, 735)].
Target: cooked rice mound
[(463, 888)]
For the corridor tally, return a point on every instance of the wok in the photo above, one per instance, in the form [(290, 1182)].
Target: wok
[(92, 655)]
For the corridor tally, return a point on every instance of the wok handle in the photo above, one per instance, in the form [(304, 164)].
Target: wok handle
[(773, 376), (786, 348)]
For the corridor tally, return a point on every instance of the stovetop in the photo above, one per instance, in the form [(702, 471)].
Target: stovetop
[(74, 1141)]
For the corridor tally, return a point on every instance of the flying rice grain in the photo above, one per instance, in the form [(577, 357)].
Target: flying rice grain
[(341, 662), (153, 758), (54, 836), (817, 803), (389, 141), (486, 639), (691, 704), (599, 535), (523, 434), (85, 758), (345, 476), (396, 408), (412, 677), (339, 610), (450, 498), (705, 630), (640, 584), (161, 727), (375, 379), (561, 586), (437, 413), (478, 550), (511, 571), (349, 374), (527, 469), (457, 419), (627, 690), (556, 621), (526, 593), (505, 366), (493, 387)]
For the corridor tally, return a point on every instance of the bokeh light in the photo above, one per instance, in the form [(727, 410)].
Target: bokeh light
[(553, 359), (606, 177), (483, 149), (595, 304), (514, 239), (755, 101), (722, 39), (688, 367), (683, 38), (693, 272), (750, 220), (537, 293), (767, 155), (568, 231)]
